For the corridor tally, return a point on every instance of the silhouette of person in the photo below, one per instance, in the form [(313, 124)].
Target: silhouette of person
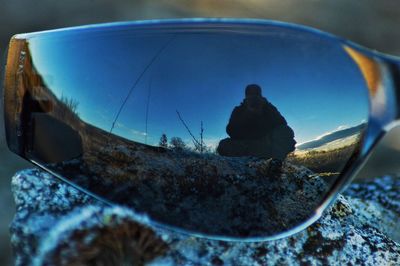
[(256, 128)]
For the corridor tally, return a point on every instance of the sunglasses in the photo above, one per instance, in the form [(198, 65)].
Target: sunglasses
[(221, 128)]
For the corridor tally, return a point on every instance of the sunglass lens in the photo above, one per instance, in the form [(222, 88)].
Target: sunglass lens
[(234, 132)]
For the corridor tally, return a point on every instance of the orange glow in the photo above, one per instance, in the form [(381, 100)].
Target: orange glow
[(368, 67)]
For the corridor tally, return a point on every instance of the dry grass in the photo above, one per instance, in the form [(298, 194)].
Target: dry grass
[(326, 162)]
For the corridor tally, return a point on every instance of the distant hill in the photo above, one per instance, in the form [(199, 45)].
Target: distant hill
[(336, 135)]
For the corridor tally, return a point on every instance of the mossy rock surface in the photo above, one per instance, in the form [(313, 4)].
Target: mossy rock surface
[(55, 222)]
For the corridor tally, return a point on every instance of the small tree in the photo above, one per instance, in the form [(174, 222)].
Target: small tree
[(198, 145), (177, 143), (163, 141)]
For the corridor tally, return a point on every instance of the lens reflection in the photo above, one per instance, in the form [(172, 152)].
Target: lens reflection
[(228, 132), (256, 128)]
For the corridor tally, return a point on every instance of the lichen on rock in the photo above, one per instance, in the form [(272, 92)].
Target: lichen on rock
[(250, 196), (55, 222)]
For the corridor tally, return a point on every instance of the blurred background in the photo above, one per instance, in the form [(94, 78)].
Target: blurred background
[(371, 23)]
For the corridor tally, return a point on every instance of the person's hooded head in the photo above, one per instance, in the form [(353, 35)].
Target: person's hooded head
[(254, 101), (253, 90)]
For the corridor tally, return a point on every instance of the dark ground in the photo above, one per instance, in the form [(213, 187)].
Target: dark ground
[(371, 23)]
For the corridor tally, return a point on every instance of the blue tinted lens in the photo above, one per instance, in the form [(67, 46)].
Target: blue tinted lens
[(226, 130)]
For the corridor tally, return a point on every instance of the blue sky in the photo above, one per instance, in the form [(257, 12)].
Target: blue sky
[(312, 82)]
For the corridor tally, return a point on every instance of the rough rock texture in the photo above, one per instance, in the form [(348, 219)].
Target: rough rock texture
[(250, 196), (56, 224)]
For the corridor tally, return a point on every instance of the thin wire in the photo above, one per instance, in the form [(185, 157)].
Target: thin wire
[(138, 79), (147, 107)]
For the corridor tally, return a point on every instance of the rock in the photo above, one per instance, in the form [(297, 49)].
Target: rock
[(378, 202), (110, 235), (56, 224), (250, 196)]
